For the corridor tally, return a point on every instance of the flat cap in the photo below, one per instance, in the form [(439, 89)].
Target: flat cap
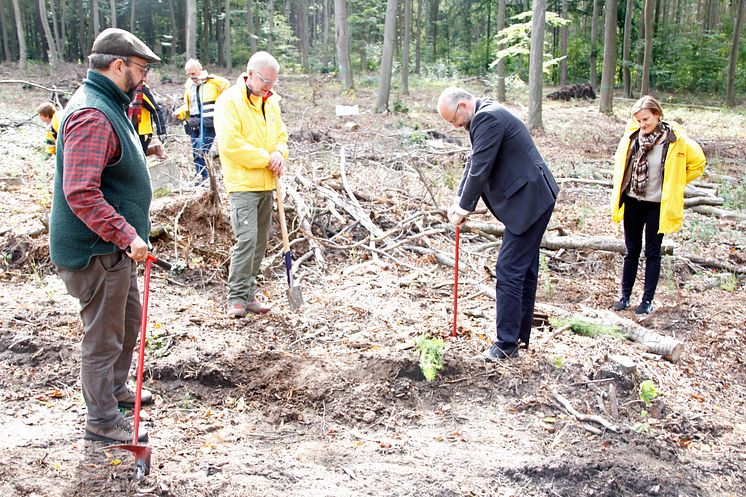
[(114, 41)]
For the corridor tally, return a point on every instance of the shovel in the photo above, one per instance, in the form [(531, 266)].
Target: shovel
[(455, 284), (141, 452), (294, 294)]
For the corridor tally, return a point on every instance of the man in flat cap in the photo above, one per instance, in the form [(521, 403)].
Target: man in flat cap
[(99, 226)]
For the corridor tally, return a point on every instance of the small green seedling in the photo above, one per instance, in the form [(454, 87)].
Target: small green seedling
[(647, 393), (559, 362), (430, 351)]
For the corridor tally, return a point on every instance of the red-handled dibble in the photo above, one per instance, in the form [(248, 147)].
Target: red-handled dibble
[(142, 453)]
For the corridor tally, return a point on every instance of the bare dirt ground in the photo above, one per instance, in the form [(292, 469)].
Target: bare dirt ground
[(330, 400)]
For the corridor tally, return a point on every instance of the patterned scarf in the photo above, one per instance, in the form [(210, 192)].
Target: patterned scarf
[(645, 143)]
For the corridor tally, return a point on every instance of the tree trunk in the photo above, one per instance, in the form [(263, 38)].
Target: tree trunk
[(113, 10), (51, 45), (228, 46), (594, 48), (417, 53), (626, 49), (132, 16), (96, 19), (21, 36), (325, 36), (343, 43), (64, 53), (220, 33), (434, 7), (191, 29), (250, 21), (58, 40), (4, 27), (174, 27), (501, 62), (563, 46), (206, 32), (646, 62), (405, 47), (536, 65), (606, 102), (730, 93), (387, 61), (270, 24), (303, 34)]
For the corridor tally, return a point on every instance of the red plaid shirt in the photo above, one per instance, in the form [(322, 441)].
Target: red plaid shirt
[(90, 145)]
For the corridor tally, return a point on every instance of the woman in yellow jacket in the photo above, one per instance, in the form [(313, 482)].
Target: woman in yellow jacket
[(653, 163)]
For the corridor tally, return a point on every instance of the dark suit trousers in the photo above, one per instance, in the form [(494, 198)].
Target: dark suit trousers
[(517, 277)]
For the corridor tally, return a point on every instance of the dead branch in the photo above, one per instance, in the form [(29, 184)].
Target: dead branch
[(713, 263), (584, 417), (719, 213), (36, 85), (694, 201)]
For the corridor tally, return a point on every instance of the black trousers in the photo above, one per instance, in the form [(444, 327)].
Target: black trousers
[(641, 217), (517, 272)]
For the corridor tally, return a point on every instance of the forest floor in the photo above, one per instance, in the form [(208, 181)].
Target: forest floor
[(329, 400)]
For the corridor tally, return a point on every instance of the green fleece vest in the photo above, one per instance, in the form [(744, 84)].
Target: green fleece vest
[(125, 184)]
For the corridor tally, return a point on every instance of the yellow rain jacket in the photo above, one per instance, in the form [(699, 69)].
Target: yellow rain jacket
[(685, 161), (208, 93), (51, 137), (248, 131)]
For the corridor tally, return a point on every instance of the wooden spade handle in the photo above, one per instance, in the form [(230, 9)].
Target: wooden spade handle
[(281, 216)]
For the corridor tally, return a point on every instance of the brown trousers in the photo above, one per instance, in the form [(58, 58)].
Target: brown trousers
[(110, 310)]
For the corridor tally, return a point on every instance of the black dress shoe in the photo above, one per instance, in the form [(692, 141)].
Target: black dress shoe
[(645, 307), (497, 353), (622, 304)]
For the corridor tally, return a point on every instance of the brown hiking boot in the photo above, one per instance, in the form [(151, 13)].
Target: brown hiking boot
[(237, 310), (121, 432), (256, 308), (127, 399)]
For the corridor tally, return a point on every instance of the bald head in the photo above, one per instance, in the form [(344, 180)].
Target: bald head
[(457, 106)]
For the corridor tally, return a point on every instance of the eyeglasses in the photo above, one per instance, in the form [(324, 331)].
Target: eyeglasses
[(455, 113), (266, 81), (145, 69)]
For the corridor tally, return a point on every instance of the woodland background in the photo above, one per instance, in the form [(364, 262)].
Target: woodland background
[(674, 46)]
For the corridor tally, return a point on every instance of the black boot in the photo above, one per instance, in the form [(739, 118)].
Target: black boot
[(645, 307), (622, 304)]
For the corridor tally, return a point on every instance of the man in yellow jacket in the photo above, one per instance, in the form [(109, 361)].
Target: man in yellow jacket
[(252, 141), (201, 91), (49, 116)]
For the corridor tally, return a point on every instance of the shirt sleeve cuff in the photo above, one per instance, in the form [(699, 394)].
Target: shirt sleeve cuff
[(124, 237)]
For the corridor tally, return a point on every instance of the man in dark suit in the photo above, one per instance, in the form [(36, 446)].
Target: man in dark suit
[(506, 171)]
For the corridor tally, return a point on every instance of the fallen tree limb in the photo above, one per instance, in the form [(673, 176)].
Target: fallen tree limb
[(654, 342), (713, 263), (720, 213), (694, 201), (584, 417)]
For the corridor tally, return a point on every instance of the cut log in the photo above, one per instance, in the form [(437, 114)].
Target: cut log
[(655, 343), (720, 213), (694, 201)]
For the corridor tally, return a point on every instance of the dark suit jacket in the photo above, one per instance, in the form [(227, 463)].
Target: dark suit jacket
[(505, 169)]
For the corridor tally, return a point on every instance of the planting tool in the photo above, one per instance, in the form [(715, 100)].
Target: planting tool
[(142, 453), (455, 284), (295, 298)]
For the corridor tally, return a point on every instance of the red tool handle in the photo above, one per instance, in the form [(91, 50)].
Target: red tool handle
[(141, 354), (455, 284)]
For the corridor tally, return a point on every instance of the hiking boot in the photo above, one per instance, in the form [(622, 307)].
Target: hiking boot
[(497, 353), (622, 304), (256, 308), (127, 398), (121, 432), (237, 310), (645, 307)]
